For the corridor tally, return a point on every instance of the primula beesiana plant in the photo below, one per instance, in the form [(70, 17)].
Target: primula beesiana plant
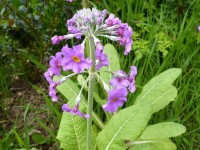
[(81, 128)]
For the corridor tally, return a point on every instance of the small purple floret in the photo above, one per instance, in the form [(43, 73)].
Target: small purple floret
[(101, 58), (74, 111), (116, 98), (55, 64), (133, 73), (112, 20), (69, 1), (120, 80), (57, 39), (52, 85)]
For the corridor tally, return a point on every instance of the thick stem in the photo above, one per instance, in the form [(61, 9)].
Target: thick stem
[(90, 92)]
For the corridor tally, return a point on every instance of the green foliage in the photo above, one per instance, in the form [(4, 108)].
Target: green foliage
[(162, 130), (158, 92), (127, 124), (174, 19), (164, 44), (140, 47), (73, 128), (164, 144), (113, 59), (72, 132)]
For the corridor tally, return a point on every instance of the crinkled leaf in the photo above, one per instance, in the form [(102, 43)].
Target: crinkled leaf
[(158, 91), (127, 124), (163, 130), (113, 59)]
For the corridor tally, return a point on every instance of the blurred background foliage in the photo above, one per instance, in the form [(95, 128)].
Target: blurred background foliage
[(165, 36)]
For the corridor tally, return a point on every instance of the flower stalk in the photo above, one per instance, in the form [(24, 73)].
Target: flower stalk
[(90, 92)]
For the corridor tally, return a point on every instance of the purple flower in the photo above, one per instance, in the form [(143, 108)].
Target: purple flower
[(116, 98), (57, 39), (48, 75), (133, 73), (198, 28), (74, 111), (112, 20), (52, 90), (52, 85), (101, 58), (56, 64), (126, 39), (120, 80), (74, 59), (99, 47)]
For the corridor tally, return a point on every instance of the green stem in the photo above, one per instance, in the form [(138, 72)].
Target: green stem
[(90, 92), (85, 3)]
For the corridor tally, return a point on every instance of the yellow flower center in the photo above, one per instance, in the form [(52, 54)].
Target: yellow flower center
[(114, 99), (76, 59)]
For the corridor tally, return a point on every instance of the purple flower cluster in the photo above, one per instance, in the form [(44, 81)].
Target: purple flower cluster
[(68, 59), (121, 83), (69, 1), (93, 22)]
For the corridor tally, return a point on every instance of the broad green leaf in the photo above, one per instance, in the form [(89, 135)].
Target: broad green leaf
[(162, 130), (113, 59), (70, 91), (158, 91), (159, 97), (165, 144), (127, 124), (72, 132)]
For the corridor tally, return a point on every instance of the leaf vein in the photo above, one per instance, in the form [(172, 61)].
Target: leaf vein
[(118, 132)]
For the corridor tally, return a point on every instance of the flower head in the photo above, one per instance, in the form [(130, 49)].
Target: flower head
[(93, 22), (74, 111), (116, 99), (74, 59)]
